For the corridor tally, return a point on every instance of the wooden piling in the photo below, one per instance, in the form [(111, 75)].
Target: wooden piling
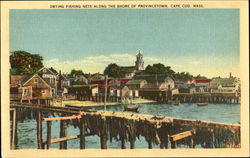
[(14, 130), (48, 134), (132, 143), (82, 133), (103, 135), (39, 130), (123, 142), (63, 144), (173, 144), (150, 146)]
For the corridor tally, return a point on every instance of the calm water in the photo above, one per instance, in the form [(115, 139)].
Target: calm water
[(227, 113)]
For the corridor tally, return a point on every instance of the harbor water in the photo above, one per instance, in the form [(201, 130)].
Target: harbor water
[(225, 113)]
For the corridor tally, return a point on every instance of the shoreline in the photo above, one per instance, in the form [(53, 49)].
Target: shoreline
[(78, 103)]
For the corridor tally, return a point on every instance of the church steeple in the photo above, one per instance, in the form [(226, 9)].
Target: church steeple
[(139, 63)]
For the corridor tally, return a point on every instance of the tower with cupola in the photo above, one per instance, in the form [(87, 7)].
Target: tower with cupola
[(139, 63)]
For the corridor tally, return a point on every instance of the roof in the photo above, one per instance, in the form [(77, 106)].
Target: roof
[(28, 77), (203, 81), (53, 70), (99, 81), (151, 87), (153, 78), (89, 85), (202, 84), (50, 71), (63, 77), (128, 69), (223, 81), (15, 80), (134, 82)]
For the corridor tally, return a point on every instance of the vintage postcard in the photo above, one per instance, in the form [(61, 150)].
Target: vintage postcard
[(124, 78)]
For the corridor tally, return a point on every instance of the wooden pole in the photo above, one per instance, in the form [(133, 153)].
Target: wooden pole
[(105, 96), (14, 130), (48, 134), (63, 144), (39, 130), (103, 136), (150, 144), (123, 142), (82, 133), (173, 144), (132, 143)]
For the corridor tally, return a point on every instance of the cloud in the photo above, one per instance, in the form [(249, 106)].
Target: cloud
[(91, 64)]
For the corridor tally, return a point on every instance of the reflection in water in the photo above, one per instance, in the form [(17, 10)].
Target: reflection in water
[(227, 113)]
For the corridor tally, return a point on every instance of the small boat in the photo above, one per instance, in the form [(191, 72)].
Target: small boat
[(202, 104), (133, 108), (176, 103)]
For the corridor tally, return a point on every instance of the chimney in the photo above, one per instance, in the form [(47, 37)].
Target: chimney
[(230, 75)]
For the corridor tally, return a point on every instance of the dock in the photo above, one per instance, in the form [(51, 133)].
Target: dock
[(167, 132)]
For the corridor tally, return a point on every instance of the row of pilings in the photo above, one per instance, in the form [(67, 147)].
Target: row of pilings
[(216, 98), (126, 128)]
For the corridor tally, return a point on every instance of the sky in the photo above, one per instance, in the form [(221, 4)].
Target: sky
[(198, 41)]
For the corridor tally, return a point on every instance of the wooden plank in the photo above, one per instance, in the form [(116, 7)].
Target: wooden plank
[(181, 135), (62, 118), (57, 140)]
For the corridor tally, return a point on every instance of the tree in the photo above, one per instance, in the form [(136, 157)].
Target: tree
[(76, 72), (113, 70), (23, 62), (158, 69)]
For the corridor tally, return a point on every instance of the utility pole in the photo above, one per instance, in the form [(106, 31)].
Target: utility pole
[(105, 96)]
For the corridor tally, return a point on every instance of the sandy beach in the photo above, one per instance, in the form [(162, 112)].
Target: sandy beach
[(91, 103)]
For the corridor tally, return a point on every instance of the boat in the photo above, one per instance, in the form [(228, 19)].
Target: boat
[(133, 108), (202, 104), (176, 103)]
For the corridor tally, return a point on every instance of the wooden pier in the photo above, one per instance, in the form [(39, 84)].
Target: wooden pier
[(207, 97), (125, 127)]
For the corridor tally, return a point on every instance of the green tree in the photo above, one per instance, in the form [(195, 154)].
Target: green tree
[(113, 70), (158, 69), (23, 62), (76, 72)]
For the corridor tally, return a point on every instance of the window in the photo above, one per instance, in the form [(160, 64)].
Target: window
[(43, 91), (25, 92), (36, 80), (44, 70)]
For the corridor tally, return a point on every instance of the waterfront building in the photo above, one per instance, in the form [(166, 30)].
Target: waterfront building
[(62, 85), (30, 88), (51, 77), (225, 85), (135, 86), (83, 92)]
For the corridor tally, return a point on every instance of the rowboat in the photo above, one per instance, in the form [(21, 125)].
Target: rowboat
[(176, 103), (133, 108), (202, 104)]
